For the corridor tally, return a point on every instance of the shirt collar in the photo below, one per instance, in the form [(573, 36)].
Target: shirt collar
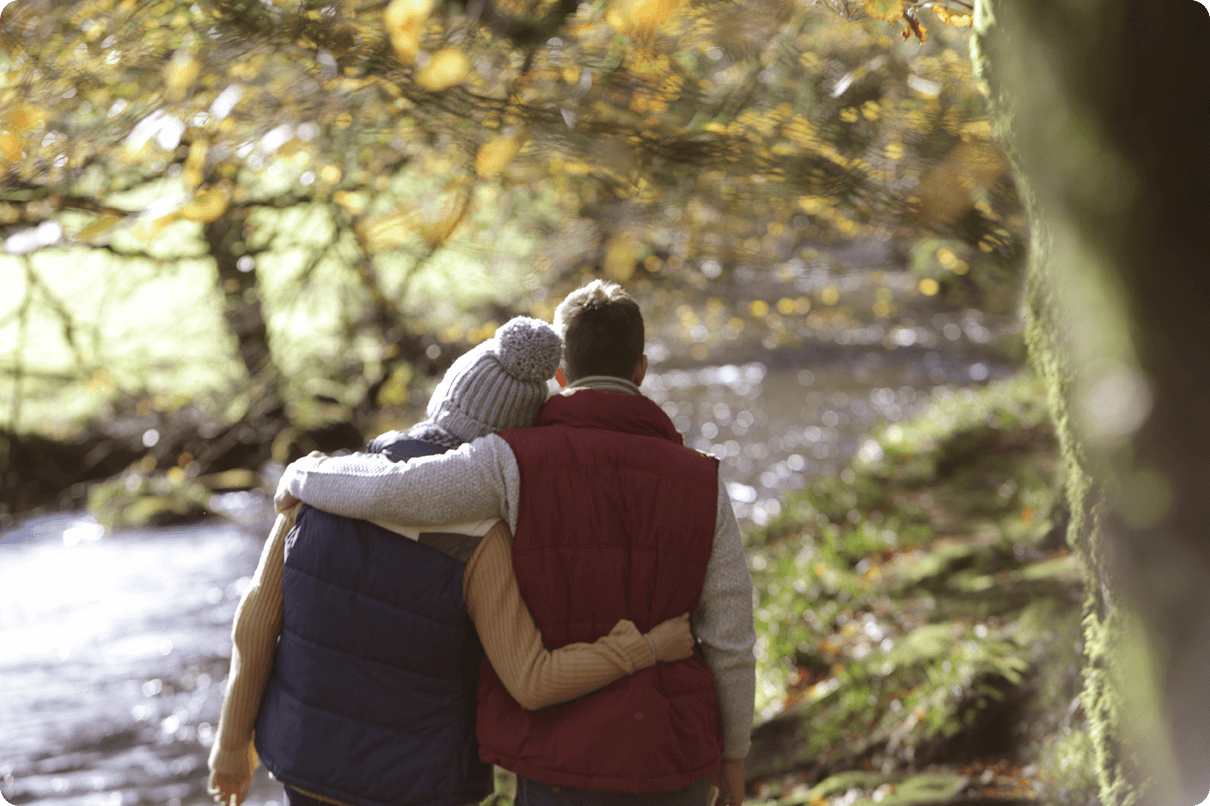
[(606, 383)]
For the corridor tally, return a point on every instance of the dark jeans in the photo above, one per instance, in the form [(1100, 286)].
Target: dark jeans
[(536, 793)]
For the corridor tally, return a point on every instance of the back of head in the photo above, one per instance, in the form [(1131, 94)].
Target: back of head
[(602, 330), (500, 383)]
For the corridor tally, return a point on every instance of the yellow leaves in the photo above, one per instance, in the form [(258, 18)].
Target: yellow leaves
[(495, 155), (351, 204), (384, 232), (959, 19), (434, 221), (330, 174), (621, 256), (952, 262), (10, 148), (888, 10), (103, 224), (14, 124), (896, 11), (180, 73), (849, 114), (639, 18), (813, 205), (438, 222), (447, 68), (871, 111), (404, 21), (977, 130), (758, 308), (929, 287), (195, 164), (244, 70), (893, 151), (24, 119), (206, 206)]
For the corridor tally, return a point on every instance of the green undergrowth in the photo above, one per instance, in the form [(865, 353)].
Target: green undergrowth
[(138, 499), (920, 608)]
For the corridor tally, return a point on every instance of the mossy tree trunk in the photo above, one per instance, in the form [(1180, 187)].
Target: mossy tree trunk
[(1105, 108)]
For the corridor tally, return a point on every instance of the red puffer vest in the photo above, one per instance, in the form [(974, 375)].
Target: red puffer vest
[(616, 521)]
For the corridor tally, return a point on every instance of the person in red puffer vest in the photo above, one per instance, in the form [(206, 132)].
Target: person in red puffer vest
[(612, 517)]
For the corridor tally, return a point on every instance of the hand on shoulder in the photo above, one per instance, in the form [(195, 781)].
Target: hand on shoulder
[(283, 499)]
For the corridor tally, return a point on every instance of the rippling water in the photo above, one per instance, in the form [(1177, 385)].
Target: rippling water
[(113, 650), (774, 429)]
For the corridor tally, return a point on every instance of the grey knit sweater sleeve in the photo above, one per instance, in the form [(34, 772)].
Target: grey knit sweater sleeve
[(480, 480), (723, 622)]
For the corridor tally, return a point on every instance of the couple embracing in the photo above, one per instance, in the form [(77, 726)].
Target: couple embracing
[(516, 581)]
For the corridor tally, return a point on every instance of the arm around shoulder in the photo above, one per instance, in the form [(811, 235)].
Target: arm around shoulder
[(478, 480), (535, 676)]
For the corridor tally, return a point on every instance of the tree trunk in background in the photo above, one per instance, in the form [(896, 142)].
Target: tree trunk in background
[(1105, 108), (241, 302), (245, 443)]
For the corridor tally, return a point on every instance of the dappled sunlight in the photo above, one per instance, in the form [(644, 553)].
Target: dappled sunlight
[(234, 233)]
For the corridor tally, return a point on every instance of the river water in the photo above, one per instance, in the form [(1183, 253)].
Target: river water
[(114, 648)]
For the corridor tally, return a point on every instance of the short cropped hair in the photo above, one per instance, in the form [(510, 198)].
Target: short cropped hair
[(602, 330)]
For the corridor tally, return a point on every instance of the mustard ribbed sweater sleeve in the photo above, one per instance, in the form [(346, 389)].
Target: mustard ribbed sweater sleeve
[(535, 676), (258, 623)]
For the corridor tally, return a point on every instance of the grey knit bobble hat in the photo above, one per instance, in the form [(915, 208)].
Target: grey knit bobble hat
[(500, 383)]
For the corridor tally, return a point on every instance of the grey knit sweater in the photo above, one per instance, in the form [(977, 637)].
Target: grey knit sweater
[(481, 479)]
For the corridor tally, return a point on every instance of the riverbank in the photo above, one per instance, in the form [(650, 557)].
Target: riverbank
[(919, 619)]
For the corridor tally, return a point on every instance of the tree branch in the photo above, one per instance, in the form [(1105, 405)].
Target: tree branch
[(524, 34)]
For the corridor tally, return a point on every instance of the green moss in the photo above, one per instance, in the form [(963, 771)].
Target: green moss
[(997, 52)]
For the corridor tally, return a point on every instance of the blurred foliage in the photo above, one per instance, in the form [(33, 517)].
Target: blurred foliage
[(921, 606), (378, 182)]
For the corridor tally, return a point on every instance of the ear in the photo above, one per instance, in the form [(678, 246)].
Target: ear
[(560, 377), (640, 371)]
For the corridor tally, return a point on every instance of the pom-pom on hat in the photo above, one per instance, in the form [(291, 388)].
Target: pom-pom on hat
[(500, 383)]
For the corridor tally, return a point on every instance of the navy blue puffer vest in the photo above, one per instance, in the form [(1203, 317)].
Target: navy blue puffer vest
[(372, 696)]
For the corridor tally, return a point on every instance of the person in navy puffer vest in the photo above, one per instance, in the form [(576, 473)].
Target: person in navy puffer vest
[(357, 648)]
